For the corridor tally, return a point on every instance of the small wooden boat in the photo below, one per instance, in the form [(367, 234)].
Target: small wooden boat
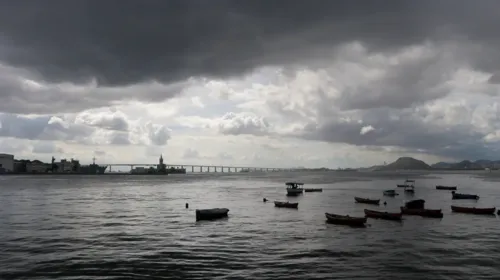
[(473, 210), (383, 215), (313, 190), (367, 200), (345, 220), (211, 214), (390, 193), (449, 188), (293, 188), (415, 204), (410, 189), (407, 183), (463, 196), (286, 204), (429, 213)]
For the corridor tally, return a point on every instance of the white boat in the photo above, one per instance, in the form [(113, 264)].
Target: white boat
[(294, 188)]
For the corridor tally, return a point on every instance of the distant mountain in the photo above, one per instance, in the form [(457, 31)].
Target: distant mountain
[(467, 164), (405, 163)]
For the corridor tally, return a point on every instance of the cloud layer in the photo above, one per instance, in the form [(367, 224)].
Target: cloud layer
[(363, 81)]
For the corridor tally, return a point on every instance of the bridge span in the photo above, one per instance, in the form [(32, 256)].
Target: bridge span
[(197, 168)]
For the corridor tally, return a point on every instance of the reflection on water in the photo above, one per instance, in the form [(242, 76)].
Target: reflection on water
[(138, 228)]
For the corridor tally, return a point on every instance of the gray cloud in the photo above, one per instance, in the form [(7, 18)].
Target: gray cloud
[(405, 130), (46, 147), (173, 40)]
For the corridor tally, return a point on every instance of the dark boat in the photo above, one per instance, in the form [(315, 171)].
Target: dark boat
[(211, 214), (383, 215), (313, 190), (463, 196), (407, 183), (367, 200), (473, 210), (498, 212), (390, 193), (415, 204), (449, 188), (345, 220), (429, 213), (286, 204)]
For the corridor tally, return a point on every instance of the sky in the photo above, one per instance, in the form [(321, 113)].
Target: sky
[(280, 83)]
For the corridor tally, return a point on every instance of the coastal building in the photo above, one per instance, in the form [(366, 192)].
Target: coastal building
[(37, 166), (6, 163)]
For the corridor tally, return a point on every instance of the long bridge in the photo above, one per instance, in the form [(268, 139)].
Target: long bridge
[(196, 168)]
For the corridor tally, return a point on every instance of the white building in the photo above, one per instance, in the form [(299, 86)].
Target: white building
[(7, 162)]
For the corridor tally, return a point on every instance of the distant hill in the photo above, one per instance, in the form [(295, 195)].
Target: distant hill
[(405, 163), (467, 164), (408, 163)]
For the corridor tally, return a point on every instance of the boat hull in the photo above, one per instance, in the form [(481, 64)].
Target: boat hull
[(383, 215), (428, 213), (281, 204), (473, 210), (390, 193), (448, 188), (367, 201), (345, 220), (464, 196), (211, 214), (313, 190)]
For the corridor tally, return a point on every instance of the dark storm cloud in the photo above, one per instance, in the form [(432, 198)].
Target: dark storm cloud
[(124, 42)]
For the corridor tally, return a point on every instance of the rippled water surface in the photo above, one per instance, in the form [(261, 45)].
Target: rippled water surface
[(120, 227)]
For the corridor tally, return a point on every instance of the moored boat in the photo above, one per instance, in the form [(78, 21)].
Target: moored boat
[(429, 213), (415, 204), (383, 215), (409, 189), (367, 200), (449, 188), (313, 190), (390, 193), (407, 183), (463, 196), (473, 210), (293, 188), (211, 214), (286, 204), (345, 220)]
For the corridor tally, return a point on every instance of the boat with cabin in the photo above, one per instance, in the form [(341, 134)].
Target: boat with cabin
[(449, 188), (383, 215), (345, 220), (294, 188), (473, 210), (286, 204), (410, 189), (455, 195), (367, 200)]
